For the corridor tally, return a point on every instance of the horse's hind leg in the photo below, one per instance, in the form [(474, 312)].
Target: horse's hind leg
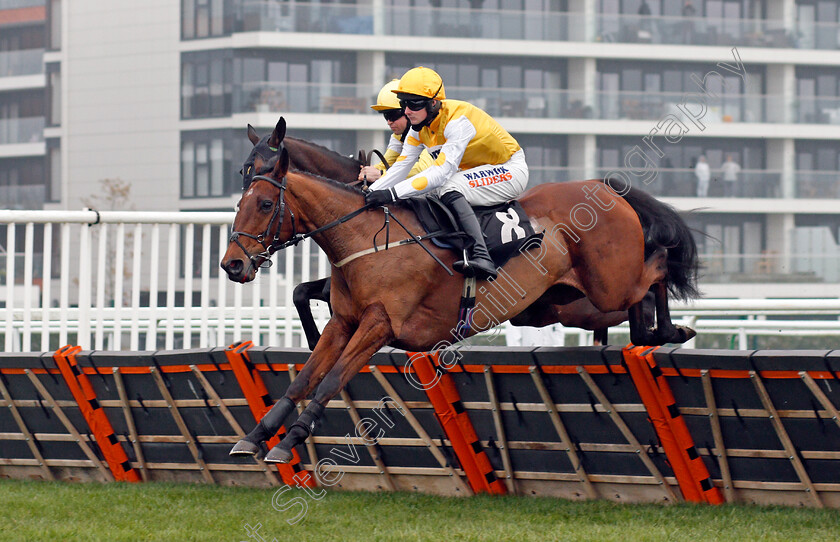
[(374, 332), (303, 294), (666, 331), (336, 336), (642, 332)]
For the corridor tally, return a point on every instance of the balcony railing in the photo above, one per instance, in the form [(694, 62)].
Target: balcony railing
[(817, 184), (817, 35), (693, 31), (549, 174), (293, 16), (22, 62), (272, 16), (818, 110), (480, 23), (23, 197), (502, 102), (303, 98), (769, 266), (720, 108), (22, 130), (680, 182)]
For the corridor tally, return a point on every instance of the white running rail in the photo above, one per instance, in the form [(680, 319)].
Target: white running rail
[(119, 280)]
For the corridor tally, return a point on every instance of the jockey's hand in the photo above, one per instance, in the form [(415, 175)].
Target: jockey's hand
[(369, 174), (380, 197)]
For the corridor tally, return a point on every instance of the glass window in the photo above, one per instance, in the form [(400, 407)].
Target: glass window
[(54, 25), (217, 166), (207, 165), (54, 165), (205, 85), (206, 18), (188, 169), (54, 94)]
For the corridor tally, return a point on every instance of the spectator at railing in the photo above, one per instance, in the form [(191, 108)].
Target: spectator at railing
[(730, 170), (703, 175)]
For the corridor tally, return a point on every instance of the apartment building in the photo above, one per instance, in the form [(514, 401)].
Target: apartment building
[(157, 95)]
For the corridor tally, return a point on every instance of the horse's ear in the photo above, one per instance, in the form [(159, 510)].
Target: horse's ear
[(362, 159), (281, 166), (252, 135), (278, 134)]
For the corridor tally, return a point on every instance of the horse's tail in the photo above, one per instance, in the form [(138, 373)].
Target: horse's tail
[(664, 228)]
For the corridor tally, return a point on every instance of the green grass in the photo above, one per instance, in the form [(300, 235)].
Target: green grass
[(36, 511)]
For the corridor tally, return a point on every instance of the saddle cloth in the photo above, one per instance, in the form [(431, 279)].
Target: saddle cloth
[(506, 227)]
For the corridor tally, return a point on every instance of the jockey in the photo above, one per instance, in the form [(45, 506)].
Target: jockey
[(477, 162), (388, 104)]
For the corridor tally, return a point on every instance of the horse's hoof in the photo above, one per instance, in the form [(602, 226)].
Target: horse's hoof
[(686, 333), (244, 447), (278, 455)]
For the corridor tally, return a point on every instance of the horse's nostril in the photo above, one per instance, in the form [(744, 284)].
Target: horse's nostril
[(233, 266)]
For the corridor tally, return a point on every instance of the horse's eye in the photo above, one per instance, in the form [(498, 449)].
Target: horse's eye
[(267, 205)]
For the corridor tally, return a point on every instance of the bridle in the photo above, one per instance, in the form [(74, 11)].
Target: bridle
[(274, 245)]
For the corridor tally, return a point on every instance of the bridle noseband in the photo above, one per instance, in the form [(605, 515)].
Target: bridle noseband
[(274, 245)]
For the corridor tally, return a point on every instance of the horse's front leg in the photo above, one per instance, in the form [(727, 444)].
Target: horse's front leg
[(337, 334), (374, 332)]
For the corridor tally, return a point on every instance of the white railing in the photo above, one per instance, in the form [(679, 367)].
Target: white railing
[(140, 280), (147, 281)]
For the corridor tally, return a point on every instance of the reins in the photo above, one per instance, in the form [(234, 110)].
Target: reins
[(279, 211)]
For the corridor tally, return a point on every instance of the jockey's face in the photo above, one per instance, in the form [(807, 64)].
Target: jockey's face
[(417, 117), (397, 126)]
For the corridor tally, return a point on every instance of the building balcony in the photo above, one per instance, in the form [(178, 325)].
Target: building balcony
[(23, 197), (693, 31), (22, 130), (270, 16), (287, 97), (769, 267), (817, 184), (817, 110), (681, 182), (365, 19), (655, 105), (22, 62), (349, 98)]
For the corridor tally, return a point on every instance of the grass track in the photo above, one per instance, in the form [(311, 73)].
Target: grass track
[(43, 511)]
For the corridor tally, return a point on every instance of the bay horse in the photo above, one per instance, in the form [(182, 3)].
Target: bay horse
[(313, 158), (402, 298)]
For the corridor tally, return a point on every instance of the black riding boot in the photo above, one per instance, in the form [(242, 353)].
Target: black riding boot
[(479, 262)]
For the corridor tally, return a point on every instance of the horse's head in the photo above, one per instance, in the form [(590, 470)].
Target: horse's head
[(265, 149), (261, 225)]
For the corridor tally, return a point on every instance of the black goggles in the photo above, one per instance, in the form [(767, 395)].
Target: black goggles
[(415, 104), (393, 114)]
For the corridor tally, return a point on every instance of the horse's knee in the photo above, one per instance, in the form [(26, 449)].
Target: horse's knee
[(298, 389), (301, 295), (328, 388)]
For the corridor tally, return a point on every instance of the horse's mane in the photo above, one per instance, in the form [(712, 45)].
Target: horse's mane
[(333, 182), (321, 148)]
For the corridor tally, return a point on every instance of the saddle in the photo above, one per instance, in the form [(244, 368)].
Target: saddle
[(506, 227)]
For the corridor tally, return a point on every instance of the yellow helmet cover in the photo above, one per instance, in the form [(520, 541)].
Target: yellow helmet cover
[(386, 98), (422, 81)]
